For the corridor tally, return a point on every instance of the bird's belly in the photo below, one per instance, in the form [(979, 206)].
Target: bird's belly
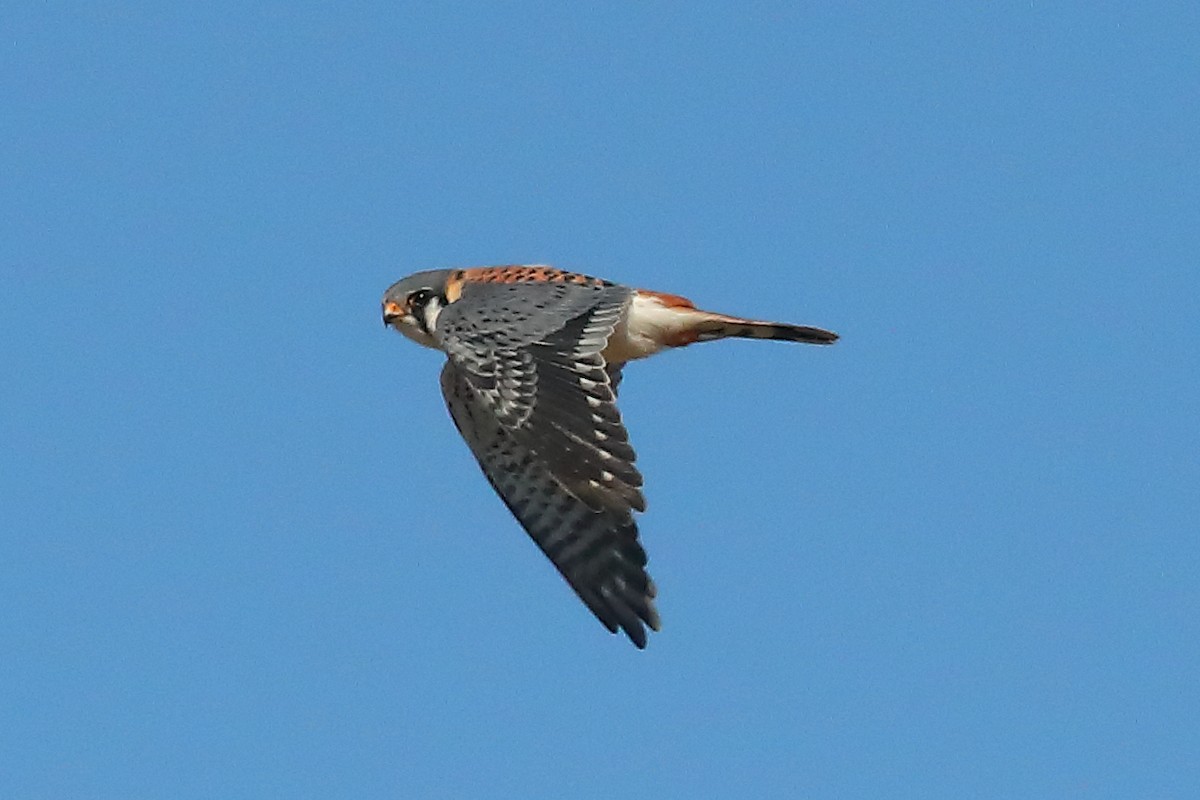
[(647, 327)]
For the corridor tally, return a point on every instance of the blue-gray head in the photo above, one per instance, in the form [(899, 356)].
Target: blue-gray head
[(411, 305)]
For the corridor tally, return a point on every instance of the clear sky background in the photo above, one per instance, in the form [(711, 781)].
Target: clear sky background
[(243, 552)]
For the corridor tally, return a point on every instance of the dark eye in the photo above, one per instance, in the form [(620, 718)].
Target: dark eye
[(419, 298)]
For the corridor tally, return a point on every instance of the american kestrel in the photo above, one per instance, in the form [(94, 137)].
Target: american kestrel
[(534, 360)]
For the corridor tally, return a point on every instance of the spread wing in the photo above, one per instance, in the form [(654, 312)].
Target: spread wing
[(537, 408)]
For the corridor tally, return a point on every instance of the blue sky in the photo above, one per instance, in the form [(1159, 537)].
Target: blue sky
[(245, 554)]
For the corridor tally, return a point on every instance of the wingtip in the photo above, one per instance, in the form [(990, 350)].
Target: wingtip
[(631, 615), (637, 635)]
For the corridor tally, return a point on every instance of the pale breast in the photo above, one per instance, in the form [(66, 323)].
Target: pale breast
[(649, 326)]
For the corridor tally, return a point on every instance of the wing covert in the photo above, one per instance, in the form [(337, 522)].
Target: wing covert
[(547, 382)]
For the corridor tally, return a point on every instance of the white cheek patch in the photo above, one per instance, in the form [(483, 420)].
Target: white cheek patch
[(431, 312)]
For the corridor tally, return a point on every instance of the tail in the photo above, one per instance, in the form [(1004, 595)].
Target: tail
[(719, 326)]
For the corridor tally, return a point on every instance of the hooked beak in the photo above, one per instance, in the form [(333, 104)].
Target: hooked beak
[(391, 312)]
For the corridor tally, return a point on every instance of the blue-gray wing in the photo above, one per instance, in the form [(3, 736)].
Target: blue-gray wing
[(535, 402)]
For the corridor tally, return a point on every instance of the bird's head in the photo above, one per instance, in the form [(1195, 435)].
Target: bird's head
[(412, 305)]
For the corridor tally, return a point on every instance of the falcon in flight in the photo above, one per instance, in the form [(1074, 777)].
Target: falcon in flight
[(534, 360)]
